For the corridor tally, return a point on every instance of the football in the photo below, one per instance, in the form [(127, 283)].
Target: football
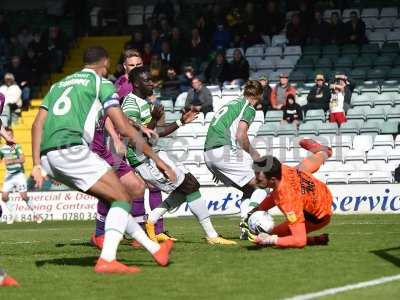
[(261, 221)]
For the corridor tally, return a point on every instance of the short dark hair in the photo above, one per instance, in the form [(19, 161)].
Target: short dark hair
[(269, 165), (252, 88), (94, 54), (134, 74)]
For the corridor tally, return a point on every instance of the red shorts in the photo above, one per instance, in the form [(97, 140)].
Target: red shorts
[(337, 117)]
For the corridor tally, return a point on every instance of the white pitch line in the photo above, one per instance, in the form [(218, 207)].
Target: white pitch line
[(345, 288)]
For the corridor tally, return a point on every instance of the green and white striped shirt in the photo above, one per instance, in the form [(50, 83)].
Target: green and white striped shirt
[(7, 152)]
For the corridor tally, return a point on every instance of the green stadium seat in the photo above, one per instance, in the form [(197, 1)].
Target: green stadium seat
[(369, 86), (376, 113), (330, 50), (350, 49), (394, 73), (323, 62), (361, 100), (371, 127), (274, 116), (267, 129), (328, 128), (393, 113), (357, 74), (298, 76), (311, 50), (384, 99), (390, 48), (286, 129), (305, 62), (396, 61), (377, 74), (356, 113), (369, 49), (343, 62), (383, 61), (390, 127), (310, 128), (315, 115), (390, 86), (365, 61), (351, 127)]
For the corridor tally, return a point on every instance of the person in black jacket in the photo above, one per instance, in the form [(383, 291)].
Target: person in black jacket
[(265, 104), (291, 111), (355, 30), (239, 68), (319, 96), (217, 71), (170, 88)]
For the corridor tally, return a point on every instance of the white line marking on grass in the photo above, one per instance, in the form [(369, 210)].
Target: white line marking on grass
[(21, 242), (345, 288)]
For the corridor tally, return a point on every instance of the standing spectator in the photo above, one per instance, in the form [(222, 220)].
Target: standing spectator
[(336, 105), (136, 42), (155, 41), (342, 79), (178, 44), (171, 84), (23, 78), (252, 36), (319, 96), (147, 54), (12, 94), (296, 32), (306, 14), (281, 91), (272, 20), (197, 48), (56, 46), (319, 31), (199, 97), (291, 111), (185, 79), (336, 29), (14, 48), (355, 30), (239, 68), (168, 58), (221, 38), (217, 71), (266, 96), (24, 37)]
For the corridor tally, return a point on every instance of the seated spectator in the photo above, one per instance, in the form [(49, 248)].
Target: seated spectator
[(35, 66), (336, 29), (296, 32), (319, 96), (272, 21), (336, 105), (57, 47), (136, 42), (23, 78), (206, 25), (12, 94), (234, 19), (221, 38), (24, 37), (237, 41), (14, 48), (199, 97), (319, 30), (155, 41), (266, 97), (178, 44), (281, 91), (168, 58), (217, 71), (355, 30), (252, 36), (291, 111), (171, 84), (147, 54), (156, 73), (197, 51), (185, 79), (239, 68), (165, 29)]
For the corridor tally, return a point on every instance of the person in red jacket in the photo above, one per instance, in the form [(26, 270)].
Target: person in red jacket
[(305, 201), (281, 91)]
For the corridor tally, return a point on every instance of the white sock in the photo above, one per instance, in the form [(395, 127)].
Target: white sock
[(198, 207), (244, 208), (248, 204), (116, 223), (156, 214), (136, 232)]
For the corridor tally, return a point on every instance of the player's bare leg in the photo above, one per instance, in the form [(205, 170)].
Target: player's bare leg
[(10, 213), (320, 152)]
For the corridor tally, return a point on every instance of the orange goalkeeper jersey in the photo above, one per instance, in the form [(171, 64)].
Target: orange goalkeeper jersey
[(300, 192)]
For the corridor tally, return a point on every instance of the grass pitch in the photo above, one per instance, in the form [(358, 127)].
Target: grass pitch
[(55, 261)]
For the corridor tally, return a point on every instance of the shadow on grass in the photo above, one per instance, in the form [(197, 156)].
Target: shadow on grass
[(390, 257), (253, 248), (86, 244)]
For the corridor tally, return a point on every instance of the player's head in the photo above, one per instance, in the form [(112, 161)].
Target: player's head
[(9, 131), (268, 170), (253, 91), (132, 60), (140, 78), (96, 58)]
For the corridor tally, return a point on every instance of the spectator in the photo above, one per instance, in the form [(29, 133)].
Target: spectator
[(217, 71), (171, 84), (239, 68), (336, 29), (12, 94), (178, 45), (296, 32), (336, 105), (306, 14), (319, 96), (252, 36), (156, 73), (355, 30), (37, 45), (319, 31), (221, 38), (250, 15), (23, 78), (14, 48), (57, 47), (131, 60), (185, 79), (291, 111), (164, 8), (234, 19), (168, 58), (155, 41), (272, 20), (147, 54), (206, 26), (266, 97), (25, 37), (237, 41), (281, 91), (199, 97), (197, 48), (35, 66), (342, 79), (136, 42), (165, 29)]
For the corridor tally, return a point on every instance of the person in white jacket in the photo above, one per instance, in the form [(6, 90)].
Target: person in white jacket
[(12, 93)]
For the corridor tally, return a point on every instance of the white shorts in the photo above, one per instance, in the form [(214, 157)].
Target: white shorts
[(15, 183), (232, 167), (151, 174), (76, 166)]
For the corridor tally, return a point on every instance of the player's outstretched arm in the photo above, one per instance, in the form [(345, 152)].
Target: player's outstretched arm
[(242, 138), (123, 126), (37, 129), (186, 118), (297, 239)]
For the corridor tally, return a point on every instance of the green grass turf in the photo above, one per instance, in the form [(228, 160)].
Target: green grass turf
[(57, 263)]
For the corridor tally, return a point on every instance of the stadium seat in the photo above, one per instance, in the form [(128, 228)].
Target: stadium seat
[(274, 116), (383, 99), (385, 23), (315, 115), (191, 130), (323, 62), (331, 50), (310, 127), (362, 142), (356, 113), (229, 53), (370, 23), (354, 155), (389, 12), (267, 129), (376, 113), (328, 13), (377, 74), (273, 51), (368, 49), (286, 63), (196, 143), (269, 63), (377, 37), (358, 177), (381, 177), (393, 36), (298, 76), (369, 86), (312, 50), (255, 52), (383, 61), (391, 86), (301, 99), (369, 13), (394, 73), (360, 100), (180, 101), (328, 128), (286, 129), (390, 48), (394, 113), (372, 127), (292, 51), (379, 154), (337, 178), (168, 104), (390, 127), (358, 74), (365, 61), (351, 127), (350, 49), (279, 40), (348, 11), (383, 140), (172, 117), (396, 24), (209, 117)]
